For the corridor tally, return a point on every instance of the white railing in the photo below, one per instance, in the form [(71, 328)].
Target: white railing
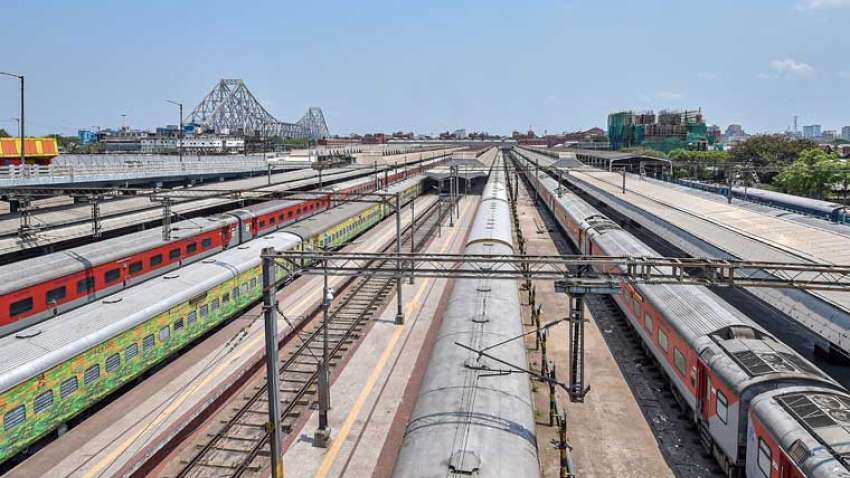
[(134, 168)]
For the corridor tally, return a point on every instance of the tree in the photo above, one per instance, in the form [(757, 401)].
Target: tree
[(3, 133), (705, 156), (814, 174), (277, 140), (65, 142), (654, 153), (769, 150)]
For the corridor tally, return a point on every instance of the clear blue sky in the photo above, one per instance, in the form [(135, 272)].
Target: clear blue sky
[(430, 66)]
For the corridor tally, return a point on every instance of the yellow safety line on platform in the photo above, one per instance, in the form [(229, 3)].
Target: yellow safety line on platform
[(249, 346), (345, 429)]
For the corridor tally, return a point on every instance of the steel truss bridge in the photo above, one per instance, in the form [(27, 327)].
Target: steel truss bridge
[(231, 106)]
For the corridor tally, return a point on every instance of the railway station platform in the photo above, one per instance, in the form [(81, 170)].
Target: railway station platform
[(703, 226), (373, 395), (601, 445)]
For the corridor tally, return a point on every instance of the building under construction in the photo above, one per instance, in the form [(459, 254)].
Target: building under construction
[(666, 131)]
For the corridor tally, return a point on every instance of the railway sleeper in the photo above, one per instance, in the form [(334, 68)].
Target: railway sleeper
[(243, 424), (226, 449)]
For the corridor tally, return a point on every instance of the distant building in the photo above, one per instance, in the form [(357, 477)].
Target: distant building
[(168, 131), (86, 136), (734, 132), (845, 132), (197, 145), (377, 138), (811, 131), (666, 131), (829, 135), (714, 132), (460, 133)]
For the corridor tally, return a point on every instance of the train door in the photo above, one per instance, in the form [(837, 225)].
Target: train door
[(703, 390), (703, 407), (787, 469)]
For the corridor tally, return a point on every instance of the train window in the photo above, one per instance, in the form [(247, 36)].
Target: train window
[(178, 325), (164, 333), (679, 361), (191, 248), (147, 343), (289, 214), (91, 374), (68, 387), (245, 288), (173, 254), (156, 260), (225, 298), (21, 306), (235, 293), (205, 310), (272, 220), (55, 295), (648, 320), (112, 275), (131, 351), (722, 407), (282, 216), (764, 458), (215, 304), (136, 267), (85, 286), (262, 224), (14, 417), (112, 363), (206, 243), (662, 339), (253, 282), (43, 402), (192, 317)]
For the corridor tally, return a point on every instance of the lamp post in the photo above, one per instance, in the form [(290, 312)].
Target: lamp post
[(179, 133), (21, 120)]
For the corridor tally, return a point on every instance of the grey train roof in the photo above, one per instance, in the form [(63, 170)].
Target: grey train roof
[(312, 225), (812, 425), (815, 204), (58, 264), (56, 340), (468, 419)]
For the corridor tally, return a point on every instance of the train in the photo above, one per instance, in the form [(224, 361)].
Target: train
[(469, 419), (728, 373), (827, 210), (52, 371), (59, 282)]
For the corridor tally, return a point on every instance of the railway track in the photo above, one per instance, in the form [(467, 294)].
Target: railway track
[(239, 447)]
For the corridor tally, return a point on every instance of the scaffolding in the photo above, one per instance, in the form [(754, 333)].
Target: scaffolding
[(666, 131)]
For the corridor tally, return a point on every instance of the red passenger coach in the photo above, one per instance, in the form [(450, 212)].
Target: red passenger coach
[(58, 282)]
